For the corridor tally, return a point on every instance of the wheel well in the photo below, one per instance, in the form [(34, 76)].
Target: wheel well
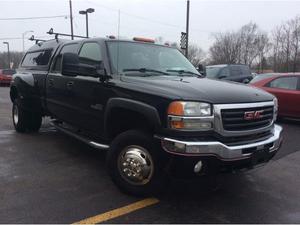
[(13, 93), (121, 120)]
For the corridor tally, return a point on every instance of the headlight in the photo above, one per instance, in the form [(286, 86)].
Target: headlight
[(275, 100), (191, 116), (189, 109)]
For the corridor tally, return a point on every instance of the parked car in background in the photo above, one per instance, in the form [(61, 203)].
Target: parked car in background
[(6, 76), (237, 73), (286, 87), (262, 76)]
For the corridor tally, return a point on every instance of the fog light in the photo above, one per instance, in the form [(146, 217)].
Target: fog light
[(198, 167), (189, 124), (173, 147), (193, 149)]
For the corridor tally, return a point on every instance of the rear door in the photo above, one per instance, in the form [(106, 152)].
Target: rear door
[(288, 94), (58, 91)]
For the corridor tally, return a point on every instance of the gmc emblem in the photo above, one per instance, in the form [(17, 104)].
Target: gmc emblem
[(253, 115)]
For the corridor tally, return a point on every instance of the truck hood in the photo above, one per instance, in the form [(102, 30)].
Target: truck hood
[(197, 89)]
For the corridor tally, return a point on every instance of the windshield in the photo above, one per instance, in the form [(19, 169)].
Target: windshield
[(260, 77), (142, 57), (212, 72)]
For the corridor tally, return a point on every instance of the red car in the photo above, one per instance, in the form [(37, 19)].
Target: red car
[(6, 76), (286, 87)]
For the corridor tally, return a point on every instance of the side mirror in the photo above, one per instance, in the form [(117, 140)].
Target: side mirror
[(71, 66), (201, 69)]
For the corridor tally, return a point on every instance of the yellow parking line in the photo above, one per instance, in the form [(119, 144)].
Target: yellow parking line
[(119, 211)]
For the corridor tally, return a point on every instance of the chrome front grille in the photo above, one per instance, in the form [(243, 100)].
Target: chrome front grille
[(235, 119)]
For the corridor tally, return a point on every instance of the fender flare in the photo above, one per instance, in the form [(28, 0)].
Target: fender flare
[(23, 86), (148, 111)]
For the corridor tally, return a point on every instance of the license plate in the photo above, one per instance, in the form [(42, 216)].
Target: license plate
[(259, 156)]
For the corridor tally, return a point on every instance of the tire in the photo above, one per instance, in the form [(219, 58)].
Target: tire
[(20, 117), (24, 120), (246, 81), (136, 145)]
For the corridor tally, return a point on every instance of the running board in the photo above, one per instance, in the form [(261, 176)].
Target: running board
[(79, 137)]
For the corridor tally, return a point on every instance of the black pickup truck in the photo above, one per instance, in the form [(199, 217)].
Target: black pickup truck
[(147, 106)]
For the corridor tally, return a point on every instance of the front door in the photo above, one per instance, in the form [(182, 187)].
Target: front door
[(87, 92)]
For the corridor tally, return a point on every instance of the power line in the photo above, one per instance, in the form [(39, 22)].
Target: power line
[(34, 18), (136, 16), (147, 19)]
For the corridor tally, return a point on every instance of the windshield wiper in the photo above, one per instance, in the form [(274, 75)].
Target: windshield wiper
[(144, 70), (185, 72)]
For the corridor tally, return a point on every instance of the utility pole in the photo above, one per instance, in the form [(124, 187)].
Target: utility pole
[(8, 53), (187, 27), (71, 19)]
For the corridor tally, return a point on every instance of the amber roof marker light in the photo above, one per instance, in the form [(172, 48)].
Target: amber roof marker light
[(141, 39)]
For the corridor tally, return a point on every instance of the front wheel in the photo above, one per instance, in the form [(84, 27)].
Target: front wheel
[(135, 163)]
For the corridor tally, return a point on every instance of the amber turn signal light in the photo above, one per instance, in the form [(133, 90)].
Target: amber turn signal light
[(176, 108)]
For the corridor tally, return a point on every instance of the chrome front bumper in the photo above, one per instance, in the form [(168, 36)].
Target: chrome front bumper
[(222, 151)]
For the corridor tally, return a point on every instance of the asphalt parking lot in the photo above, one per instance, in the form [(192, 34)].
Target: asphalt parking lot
[(51, 178)]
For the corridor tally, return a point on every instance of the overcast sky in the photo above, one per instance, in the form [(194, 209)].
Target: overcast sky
[(146, 18)]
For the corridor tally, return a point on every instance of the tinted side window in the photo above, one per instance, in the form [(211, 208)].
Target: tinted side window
[(90, 54), (235, 71), (245, 70), (70, 48), (289, 83), (39, 58), (224, 72)]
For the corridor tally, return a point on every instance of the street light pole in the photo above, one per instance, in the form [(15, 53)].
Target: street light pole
[(187, 27), (87, 24), (23, 37), (8, 53), (86, 12)]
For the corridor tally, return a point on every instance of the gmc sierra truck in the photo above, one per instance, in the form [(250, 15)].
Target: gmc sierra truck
[(147, 106)]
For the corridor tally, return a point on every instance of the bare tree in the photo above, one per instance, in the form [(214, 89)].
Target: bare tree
[(263, 48), (295, 26), (286, 46), (225, 48), (15, 58), (195, 55), (243, 46), (248, 38), (276, 47)]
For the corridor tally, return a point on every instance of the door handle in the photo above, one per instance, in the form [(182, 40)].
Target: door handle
[(51, 82), (70, 84)]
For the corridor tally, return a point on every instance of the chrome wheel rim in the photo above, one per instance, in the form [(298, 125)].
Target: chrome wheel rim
[(16, 114), (135, 165)]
